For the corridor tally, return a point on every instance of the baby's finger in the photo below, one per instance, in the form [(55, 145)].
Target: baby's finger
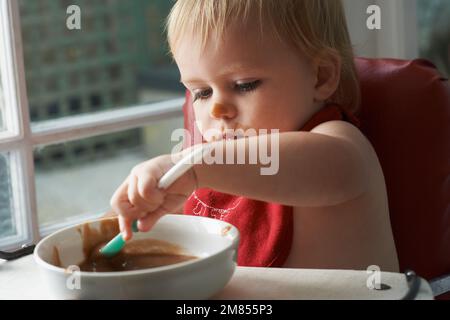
[(135, 198), (132, 181), (120, 203), (147, 223), (119, 191), (148, 190), (125, 228)]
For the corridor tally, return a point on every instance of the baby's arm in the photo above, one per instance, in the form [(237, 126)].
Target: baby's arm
[(314, 170)]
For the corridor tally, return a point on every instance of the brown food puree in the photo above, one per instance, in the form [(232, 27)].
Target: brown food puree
[(136, 254)]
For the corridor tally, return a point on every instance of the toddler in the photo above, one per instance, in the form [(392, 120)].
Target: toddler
[(274, 65)]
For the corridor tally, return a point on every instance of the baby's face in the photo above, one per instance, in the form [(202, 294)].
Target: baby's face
[(247, 82)]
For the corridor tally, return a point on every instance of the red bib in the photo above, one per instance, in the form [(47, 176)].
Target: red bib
[(266, 229)]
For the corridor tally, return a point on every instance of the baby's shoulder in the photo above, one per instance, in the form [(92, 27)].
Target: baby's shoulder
[(350, 133), (343, 130)]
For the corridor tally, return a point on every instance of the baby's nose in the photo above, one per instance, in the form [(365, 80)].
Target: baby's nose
[(220, 111)]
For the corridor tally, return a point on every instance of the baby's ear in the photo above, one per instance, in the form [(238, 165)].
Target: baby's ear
[(328, 66)]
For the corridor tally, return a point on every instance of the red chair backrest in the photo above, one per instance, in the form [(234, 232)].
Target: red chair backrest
[(405, 113)]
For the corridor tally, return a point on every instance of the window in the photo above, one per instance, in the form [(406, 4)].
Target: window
[(117, 59), (79, 108), (79, 177), (78, 104), (434, 32), (409, 29), (397, 37), (2, 106), (7, 224)]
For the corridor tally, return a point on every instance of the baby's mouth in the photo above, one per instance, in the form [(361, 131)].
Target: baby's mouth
[(232, 135), (228, 135)]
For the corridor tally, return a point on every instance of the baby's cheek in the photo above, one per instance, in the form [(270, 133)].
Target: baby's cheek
[(208, 135), (204, 128), (264, 120), (200, 119), (202, 115)]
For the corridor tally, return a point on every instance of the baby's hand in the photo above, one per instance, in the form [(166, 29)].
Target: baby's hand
[(139, 198)]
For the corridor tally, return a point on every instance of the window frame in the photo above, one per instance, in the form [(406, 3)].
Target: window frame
[(21, 136)]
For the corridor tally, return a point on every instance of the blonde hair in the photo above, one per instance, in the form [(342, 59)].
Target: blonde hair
[(314, 27)]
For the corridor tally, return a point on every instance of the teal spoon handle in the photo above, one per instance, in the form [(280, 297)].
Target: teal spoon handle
[(114, 246)]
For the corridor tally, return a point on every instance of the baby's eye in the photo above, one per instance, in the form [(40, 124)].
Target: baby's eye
[(202, 94), (248, 86)]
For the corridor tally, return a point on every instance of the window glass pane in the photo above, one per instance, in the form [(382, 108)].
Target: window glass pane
[(79, 177), (434, 32), (2, 101), (7, 223), (118, 58)]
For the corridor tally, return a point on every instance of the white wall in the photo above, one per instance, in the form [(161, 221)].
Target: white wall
[(398, 35)]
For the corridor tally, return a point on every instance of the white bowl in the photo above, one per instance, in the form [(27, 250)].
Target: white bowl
[(214, 242)]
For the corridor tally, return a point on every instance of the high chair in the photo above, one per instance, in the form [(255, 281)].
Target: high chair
[(405, 114)]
